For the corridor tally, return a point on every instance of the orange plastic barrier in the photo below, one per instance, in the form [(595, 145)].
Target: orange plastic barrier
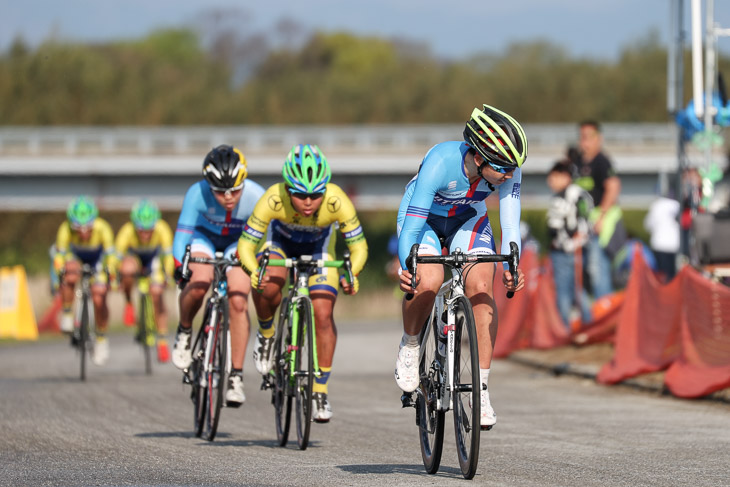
[(531, 318), (647, 337), (703, 365), (49, 321), (606, 313)]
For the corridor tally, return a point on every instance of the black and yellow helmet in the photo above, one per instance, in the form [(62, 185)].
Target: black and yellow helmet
[(497, 137), (225, 168)]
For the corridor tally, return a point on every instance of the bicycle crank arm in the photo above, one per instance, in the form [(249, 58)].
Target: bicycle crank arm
[(407, 400)]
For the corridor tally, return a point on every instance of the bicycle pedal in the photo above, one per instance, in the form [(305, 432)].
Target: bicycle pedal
[(266, 383), (407, 400), (486, 428)]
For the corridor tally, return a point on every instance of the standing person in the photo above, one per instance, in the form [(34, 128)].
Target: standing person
[(84, 238), (662, 223), (211, 220), (145, 243), (568, 227), (444, 206), (595, 174), (298, 216)]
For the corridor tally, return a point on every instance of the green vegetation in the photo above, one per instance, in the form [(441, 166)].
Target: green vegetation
[(172, 77)]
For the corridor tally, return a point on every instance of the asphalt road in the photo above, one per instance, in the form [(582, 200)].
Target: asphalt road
[(124, 428)]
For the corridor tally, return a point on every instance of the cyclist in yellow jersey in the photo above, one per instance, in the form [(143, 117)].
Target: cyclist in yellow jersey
[(85, 239), (299, 215), (145, 243)]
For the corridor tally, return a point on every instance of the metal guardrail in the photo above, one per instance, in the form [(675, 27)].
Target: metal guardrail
[(73, 141)]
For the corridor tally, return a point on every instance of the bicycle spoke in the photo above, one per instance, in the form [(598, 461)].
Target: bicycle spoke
[(429, 418)]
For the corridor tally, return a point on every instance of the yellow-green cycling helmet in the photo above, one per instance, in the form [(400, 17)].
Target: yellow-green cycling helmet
[(497, 137)]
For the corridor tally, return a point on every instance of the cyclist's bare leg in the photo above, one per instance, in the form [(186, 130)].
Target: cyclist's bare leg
[(239, 287), (127, 272), (267, 299), (157, 292), (324, 304), (101, 310), (70, 278), (416, 311), (479, 289), (191, 298)]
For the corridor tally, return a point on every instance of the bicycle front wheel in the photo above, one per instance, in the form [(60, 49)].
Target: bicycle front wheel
[(198, 392), (215, 375), (281, 393), (145, 334), (428, 416), (467, 385), (84, 336), (304, 365)]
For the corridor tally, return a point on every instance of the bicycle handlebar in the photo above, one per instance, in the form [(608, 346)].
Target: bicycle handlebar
[(188, 259), (306, 262), (458, 258)]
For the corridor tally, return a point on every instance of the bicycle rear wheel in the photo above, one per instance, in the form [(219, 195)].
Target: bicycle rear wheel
[(304, 365), (215, 375), (281, 393), (467, 397), (429, 418)]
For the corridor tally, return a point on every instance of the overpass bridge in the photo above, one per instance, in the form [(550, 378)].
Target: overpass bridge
[(43, 168)]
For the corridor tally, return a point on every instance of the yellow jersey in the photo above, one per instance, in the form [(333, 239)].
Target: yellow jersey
[(160, 243), (275, 208), (99, 245)]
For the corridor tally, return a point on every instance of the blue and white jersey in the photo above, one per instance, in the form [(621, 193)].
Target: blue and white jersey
[(441, 190), (201, 214)]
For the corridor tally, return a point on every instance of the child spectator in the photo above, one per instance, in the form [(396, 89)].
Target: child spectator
[(568, 228)]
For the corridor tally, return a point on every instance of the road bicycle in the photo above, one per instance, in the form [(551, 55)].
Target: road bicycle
[(211, 350), (295, 346), (449, 362)]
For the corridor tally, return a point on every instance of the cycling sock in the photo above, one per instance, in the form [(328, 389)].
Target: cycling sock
[(320, 383), (409, 340), (67, 309), (181, 329), (238, 372), (266, 327), (484, 376)]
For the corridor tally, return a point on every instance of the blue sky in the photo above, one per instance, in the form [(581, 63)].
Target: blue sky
[(452, 29)]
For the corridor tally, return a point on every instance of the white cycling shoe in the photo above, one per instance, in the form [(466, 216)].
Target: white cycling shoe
[(321, 409), (234, 395), (488, 416), (100, 355), (182, 356), (406, 368), (262, 356)]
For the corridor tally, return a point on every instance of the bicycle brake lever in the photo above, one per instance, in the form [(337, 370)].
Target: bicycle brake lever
[(412, 264)]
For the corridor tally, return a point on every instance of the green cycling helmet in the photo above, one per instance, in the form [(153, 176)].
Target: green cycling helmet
[(81, 212), (306, 169), (145, 215)]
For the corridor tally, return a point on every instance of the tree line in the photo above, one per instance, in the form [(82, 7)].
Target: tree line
[(178, 77)]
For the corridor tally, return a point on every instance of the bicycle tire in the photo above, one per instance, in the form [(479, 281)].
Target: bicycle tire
[(216, 380), (430, 419), (467, 396), (197, 394), (143, 331), (84, 336), (304, 377), (281, 392)]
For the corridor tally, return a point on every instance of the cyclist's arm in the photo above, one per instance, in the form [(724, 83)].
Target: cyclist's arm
[(255, 229), (63, 239), (193, 204), (351, 230), (165, 242), (419, 204), (509, 212), (106, 238)]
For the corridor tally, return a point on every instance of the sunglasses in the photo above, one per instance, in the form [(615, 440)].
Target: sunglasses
[(227, 191), (303, 196), (502, 169)]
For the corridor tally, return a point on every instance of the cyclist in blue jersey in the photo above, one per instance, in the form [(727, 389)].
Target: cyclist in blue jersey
[(444, 207), (213, 215)]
